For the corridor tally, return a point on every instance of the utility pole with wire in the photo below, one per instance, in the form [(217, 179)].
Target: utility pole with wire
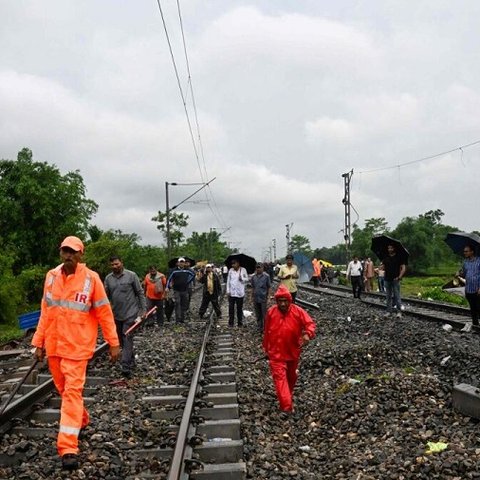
[(274, 245), (347, 177), (287, 236), (169, 209)]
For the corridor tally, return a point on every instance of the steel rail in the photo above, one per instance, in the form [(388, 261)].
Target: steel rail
[(177, 465), (24, 404), (445, 307)]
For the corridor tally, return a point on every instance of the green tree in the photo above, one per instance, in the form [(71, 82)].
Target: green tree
[(362, 237), (178, 221), (424, 236), (300, 243), (38, 207), (11, 293), (206, 246), (336, 254)]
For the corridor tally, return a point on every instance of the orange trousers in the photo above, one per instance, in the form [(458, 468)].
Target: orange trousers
[(284, 374), (69, 378)]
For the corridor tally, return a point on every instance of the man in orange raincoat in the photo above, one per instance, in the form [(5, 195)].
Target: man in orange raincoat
[(287, 328), (74, 303)]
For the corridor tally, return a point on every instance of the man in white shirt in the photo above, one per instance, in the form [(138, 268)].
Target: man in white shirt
[(236, 280), (354, 275)]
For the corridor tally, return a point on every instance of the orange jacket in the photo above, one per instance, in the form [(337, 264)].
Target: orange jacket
[(150, 287), (283, 332), (317, 268), (72, 309)]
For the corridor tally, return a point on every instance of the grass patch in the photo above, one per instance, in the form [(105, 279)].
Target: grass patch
[(430, 288), (10, 332)]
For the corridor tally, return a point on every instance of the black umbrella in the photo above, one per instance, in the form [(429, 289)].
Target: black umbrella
[(173, 262), (457, 241), (248, 263), (380, 245)]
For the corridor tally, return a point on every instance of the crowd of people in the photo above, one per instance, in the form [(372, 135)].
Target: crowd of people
[(76, 303), (362, 274)]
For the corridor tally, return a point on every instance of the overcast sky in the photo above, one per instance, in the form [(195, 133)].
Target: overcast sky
[(290, 94)]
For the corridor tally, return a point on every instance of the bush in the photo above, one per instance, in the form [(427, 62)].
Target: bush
[(10, 291), (31, 281), (439, 295)]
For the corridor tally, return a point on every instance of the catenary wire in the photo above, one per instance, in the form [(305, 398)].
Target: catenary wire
[(217, 214), (423, 159)]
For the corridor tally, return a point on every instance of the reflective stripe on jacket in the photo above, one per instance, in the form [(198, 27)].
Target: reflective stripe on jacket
[(283, 332), (72, 308)]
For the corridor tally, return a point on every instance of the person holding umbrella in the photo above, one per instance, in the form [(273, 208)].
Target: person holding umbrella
[(395, 269), (470, 273)]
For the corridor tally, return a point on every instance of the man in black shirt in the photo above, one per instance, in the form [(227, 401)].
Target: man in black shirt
[(394, 271)]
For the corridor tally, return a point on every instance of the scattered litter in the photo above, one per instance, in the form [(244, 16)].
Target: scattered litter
[(445, 360), (467, 327), (305, 448), (247, 313), (402, 308), (349, 319), (353, 381), (435, 447), (447, 327)]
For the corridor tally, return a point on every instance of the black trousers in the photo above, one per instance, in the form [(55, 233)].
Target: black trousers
[(260, 311), (474, 302), (232, 302), (158, 315), (210, 298), (356, 285)]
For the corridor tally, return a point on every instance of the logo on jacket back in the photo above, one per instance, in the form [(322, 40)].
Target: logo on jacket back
[(81, 297)]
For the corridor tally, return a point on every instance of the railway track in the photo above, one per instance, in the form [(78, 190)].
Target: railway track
[(439, 312), (173, 429)]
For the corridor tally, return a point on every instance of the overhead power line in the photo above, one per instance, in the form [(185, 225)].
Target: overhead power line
[(184, 93), (423, 159)]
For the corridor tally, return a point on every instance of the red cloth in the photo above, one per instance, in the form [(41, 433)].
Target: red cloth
[(282, 342), (282, 339), (284, 376)]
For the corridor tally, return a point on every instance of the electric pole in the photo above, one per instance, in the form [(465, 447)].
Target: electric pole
[(274, 245), (287, 236), (347, 177)]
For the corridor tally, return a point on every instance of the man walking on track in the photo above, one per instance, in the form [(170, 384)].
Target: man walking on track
[(128, 302), (288, 275), (155, 283), (260, 290), (236, 281), (287, 328), (395, 269), (354, 274), (74, 303), (212, 289), (180, 280), (470, 273)]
